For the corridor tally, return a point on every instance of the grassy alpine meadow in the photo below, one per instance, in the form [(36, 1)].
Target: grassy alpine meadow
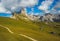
[(6, 36), (36, 30)]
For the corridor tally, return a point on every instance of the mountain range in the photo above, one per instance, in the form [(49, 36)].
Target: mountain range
[(47, 17), (50, 17)]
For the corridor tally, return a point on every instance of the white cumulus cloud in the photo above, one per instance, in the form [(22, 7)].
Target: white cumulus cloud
[(56, 8), (3, 10), (25, 3), (14, 4), (45, 5)]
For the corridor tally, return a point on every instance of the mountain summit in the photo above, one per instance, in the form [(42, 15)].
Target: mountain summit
[(50, 17)]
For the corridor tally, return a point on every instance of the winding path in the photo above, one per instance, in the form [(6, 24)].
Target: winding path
[(18, 34)]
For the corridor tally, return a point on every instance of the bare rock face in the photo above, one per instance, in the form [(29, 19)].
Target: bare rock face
[(56, 18), (47, 17), (21, 15), (50, 17)]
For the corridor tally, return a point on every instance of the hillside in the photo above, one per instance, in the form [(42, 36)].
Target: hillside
[(39, 31)]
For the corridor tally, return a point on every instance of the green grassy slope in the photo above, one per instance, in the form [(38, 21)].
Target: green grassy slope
[(6, 36), (39, 31)]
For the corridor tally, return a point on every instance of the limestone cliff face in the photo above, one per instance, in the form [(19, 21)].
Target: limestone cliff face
[(22, 15), (23, 12), (50, 17)]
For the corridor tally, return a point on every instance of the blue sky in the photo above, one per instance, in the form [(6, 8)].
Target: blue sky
[(42, 11), (36, 7)]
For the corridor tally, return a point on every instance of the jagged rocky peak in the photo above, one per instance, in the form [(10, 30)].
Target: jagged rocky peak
[(48, 17), (48, 14), (22, 11), (57, 18)]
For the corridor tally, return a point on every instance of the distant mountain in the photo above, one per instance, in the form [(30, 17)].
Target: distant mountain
[(56, 18), (24, 15), (50, 17)]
